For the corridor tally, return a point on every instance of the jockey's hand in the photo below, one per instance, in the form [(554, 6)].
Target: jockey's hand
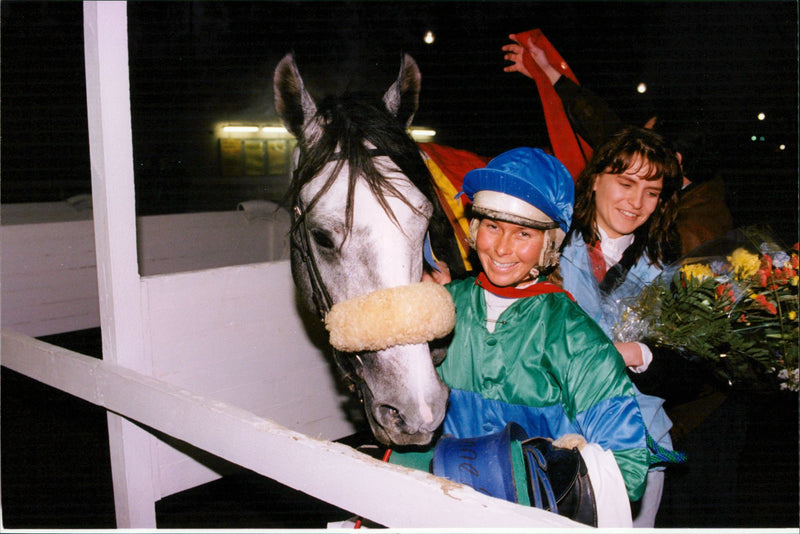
[(442, 276)]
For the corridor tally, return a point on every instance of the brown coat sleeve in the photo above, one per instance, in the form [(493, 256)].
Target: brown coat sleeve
[(702, 214)]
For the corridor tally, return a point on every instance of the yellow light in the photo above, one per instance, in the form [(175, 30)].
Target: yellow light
[(761, 116), (418, 133), (240, 129), (781, 147), (641, 88), (274, 130), (429, 37)]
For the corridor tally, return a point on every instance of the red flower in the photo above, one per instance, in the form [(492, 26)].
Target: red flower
[(783, 276), (780, 275), (767, 305), (724, 290)]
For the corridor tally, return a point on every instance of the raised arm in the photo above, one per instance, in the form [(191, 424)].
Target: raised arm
[(588, 114), (514, 53)]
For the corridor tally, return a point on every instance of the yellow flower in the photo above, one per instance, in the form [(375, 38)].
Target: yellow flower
[(744, 263), (792, 315), (698, 271), (794, 280)]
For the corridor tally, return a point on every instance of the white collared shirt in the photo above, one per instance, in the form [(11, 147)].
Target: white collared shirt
[(495, 305), (614, 247)]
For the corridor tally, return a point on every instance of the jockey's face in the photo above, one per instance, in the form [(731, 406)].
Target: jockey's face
[(508, 251)]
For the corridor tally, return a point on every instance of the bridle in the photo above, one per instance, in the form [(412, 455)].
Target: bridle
[(300, 237), (301, 241)]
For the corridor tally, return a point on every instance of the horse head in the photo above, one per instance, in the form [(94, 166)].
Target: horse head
[(362, 203)]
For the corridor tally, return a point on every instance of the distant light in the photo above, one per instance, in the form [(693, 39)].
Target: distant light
[(753, 138), (761, 138), (641, 88), (429, 37), (421, 133), (274, 130), (781, 147), (240, 129), (761, 116)]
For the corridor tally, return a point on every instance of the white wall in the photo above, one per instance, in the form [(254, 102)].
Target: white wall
[(48, 273)]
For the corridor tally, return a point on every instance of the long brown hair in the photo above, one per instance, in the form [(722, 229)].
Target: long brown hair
[(628, 148)]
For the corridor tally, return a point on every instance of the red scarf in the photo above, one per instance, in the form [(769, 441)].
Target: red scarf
[(568, 147), (597, 260), (539, 288)]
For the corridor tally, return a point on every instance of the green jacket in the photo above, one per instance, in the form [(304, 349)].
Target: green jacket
[(548, 367)]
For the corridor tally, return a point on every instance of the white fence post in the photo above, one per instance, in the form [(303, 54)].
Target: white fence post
[(119, 285)]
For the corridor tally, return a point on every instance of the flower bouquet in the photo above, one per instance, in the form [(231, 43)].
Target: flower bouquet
[(731, 305)]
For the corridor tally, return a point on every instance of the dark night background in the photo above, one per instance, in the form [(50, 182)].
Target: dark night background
[(193, 64)]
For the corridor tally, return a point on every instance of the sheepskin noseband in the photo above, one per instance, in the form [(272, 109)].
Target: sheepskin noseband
[(406, 315)]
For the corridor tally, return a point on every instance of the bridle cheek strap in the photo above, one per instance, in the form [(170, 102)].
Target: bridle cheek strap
[(320, 296)]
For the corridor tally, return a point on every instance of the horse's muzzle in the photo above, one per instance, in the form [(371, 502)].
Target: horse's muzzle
[(406, 424)]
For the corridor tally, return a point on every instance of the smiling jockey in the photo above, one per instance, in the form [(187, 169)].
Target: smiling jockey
[(524, 353)]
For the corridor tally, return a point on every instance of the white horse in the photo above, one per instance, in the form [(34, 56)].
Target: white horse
[(363, 201)]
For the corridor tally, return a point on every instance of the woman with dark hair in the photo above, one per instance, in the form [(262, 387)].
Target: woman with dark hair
[(623, 227), (625, 207), (702, 214), (643, 162)]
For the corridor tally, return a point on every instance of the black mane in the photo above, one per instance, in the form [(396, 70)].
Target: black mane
[(351, 124)]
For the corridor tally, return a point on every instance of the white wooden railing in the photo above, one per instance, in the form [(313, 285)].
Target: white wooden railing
[(218, 358)]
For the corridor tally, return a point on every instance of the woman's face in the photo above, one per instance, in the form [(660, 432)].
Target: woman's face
[(508, 251), (625, 201)]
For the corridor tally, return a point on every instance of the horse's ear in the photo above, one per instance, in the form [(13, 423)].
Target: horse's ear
[(293, 102), (402, 98)]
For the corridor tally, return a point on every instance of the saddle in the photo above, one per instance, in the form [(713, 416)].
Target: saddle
[(508, 465)]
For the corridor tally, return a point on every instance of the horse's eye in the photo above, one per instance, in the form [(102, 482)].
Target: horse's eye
[(322, 238)]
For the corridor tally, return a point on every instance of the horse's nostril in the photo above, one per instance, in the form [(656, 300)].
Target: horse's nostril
[(389, 415)]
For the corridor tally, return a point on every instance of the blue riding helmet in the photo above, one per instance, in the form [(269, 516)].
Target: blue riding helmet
[(531, 175)]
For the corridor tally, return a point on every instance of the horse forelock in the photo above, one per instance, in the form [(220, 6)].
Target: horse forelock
[(355, 129)]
